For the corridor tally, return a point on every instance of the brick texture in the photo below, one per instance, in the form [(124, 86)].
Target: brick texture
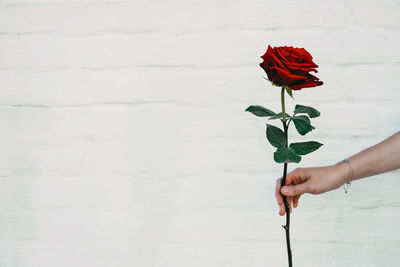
[(125, 142)]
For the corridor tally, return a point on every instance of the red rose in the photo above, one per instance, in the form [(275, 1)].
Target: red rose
[(289, 66)]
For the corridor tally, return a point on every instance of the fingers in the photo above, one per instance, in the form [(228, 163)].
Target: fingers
[(282, 209), (290, 200), (297, 176), (294, 190), (279, 199), (297, 183), (296, 201), (278, 195)]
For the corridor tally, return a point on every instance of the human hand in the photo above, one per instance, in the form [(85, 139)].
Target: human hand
[(315, 180)]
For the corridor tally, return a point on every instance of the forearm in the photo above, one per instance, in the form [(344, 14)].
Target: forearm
[(380, 158)]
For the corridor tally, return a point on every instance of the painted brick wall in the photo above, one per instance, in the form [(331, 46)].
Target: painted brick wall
[(125, 142)]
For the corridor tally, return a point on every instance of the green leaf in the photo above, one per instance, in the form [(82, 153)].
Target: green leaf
[(312, 112), (260, 111), (274, 84), (286, 155), (276, 136), (304, 148), (278, 116), (289, 91), (303, 124)]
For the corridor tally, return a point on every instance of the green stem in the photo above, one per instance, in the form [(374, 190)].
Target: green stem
[(285, 201), (283, 104)]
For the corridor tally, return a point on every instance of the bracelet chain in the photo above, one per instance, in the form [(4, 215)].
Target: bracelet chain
[(348, 183)]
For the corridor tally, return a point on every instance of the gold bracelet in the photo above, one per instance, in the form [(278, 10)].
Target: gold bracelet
[(348, 183)]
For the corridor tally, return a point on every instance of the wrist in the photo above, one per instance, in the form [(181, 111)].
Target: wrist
[(343, 171)]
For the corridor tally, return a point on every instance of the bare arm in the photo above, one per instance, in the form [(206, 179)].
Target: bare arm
[(380, 158)]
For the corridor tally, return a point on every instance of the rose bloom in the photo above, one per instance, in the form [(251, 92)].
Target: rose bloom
[(289, 66)]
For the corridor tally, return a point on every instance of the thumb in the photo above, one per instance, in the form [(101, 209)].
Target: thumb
[(294, 190)]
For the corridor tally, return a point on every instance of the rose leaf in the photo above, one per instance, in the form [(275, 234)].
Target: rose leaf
[(304, 148), (275, 136), (260, 111), (286, 155), (310, 111), (278, 116), (303, 124)]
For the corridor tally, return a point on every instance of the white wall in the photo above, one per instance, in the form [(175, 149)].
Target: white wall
[(124, 140)]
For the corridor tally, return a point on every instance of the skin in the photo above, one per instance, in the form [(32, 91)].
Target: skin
[(380, 158)]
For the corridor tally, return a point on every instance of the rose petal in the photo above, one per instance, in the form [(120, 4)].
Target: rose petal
[(268, 62), (311, 77), (285, 77), (278, 61), (291, 66), (280, 52), (304, 54), (304, 64), (305, 85)]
